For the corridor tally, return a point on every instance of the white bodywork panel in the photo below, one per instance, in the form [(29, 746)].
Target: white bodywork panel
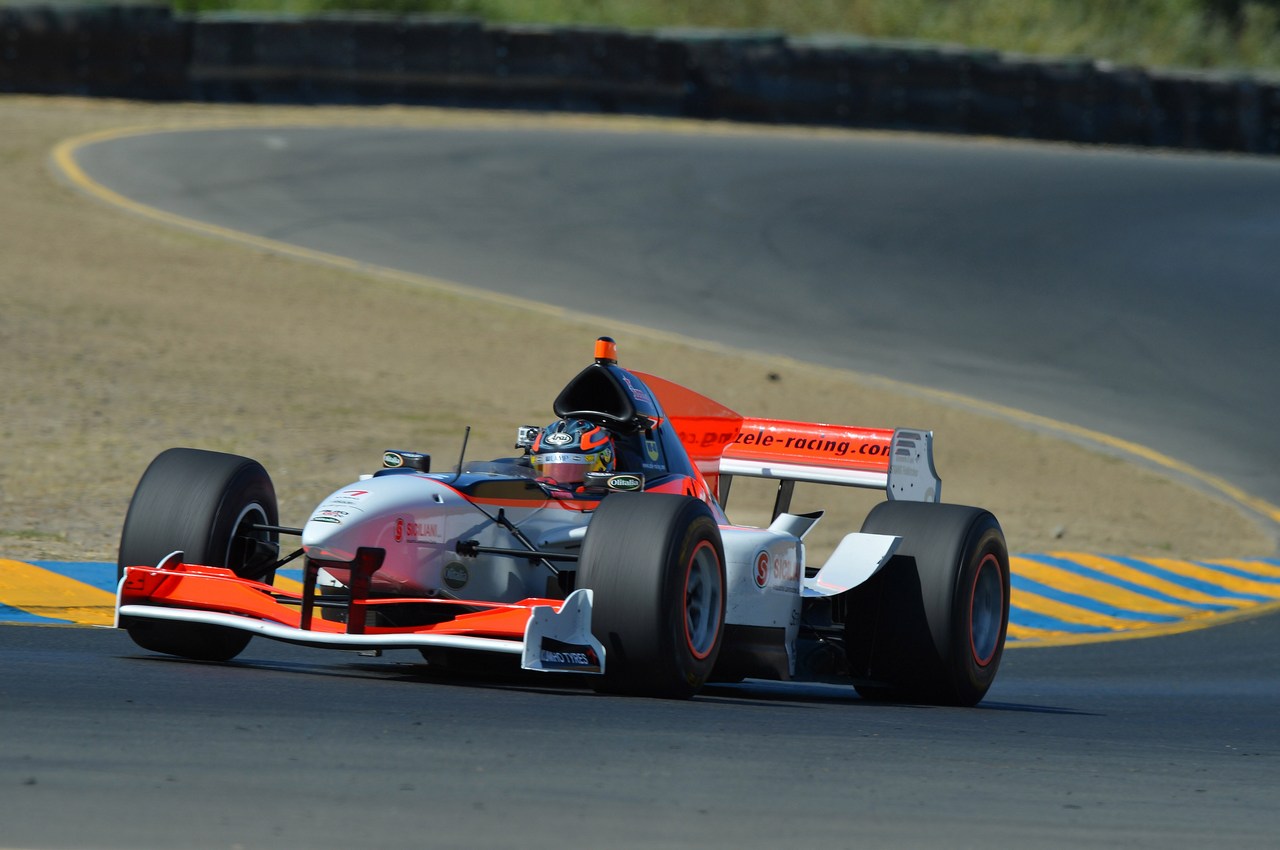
[(765, 572), (855, 560), (418, 520)]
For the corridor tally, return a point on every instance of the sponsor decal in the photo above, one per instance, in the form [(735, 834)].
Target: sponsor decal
[(425, 532), (417, 532), (637, 392), (818, 445), (784, 572), (781, 572), (558, 655), (330, 512), (456, 575), (349, 498), (625, 482), (398, 459), (558, 439), (560, 457), (333, 520), (651, 449), (707, 439)]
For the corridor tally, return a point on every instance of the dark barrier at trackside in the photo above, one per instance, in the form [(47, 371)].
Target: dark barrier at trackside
[(147, 53)]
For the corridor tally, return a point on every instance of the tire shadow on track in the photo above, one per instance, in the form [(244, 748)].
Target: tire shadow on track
[(505, 678)]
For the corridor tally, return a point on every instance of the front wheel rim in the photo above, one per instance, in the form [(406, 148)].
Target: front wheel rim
[(238, 552)]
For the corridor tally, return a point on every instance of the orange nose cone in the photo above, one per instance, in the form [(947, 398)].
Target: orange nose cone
[(606, 350)]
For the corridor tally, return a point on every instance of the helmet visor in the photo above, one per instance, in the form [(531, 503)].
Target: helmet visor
[(569, 467)]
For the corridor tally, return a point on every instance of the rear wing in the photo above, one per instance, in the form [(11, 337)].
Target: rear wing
[(900, 461), (722, 444)]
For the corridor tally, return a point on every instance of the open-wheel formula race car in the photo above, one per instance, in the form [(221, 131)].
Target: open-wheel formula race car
[(603, 549)]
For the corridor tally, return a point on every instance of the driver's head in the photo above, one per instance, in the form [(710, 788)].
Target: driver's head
[(568, 449)]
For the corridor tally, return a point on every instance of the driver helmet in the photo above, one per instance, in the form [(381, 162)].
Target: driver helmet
[(568, 449)]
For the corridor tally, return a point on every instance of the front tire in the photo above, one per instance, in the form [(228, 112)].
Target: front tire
[(205, 505), (655, 564), (930, 626)]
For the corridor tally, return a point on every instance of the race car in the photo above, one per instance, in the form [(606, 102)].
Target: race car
[(603, 549)]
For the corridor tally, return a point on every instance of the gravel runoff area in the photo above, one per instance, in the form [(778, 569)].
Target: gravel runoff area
[(121, 337)]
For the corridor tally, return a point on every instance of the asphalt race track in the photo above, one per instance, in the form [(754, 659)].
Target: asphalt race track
[(1138, 744), (1138, 290)]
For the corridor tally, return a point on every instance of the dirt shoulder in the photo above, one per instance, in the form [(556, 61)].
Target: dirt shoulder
[(121, 337)]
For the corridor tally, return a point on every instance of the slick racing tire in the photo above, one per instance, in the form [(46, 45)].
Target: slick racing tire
[(930, 626), (655, 565), (203, 504)]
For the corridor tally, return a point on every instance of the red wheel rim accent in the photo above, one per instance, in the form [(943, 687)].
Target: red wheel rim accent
[(702, 600), (986, 610)]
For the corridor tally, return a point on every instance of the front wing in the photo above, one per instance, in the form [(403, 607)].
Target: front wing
[(548, 634)]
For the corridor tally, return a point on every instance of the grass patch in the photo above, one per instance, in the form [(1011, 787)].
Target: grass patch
[(1221, 34)]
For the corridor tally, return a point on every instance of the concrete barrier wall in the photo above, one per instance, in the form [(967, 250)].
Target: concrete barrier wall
[(145, 52)]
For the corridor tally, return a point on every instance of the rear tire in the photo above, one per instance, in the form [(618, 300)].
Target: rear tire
[(655, 564), (203, 504), (930, 625)]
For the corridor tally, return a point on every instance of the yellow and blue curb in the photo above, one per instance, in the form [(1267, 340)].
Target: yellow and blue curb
[(1066, 597), (61, 593), (1057, 598)]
